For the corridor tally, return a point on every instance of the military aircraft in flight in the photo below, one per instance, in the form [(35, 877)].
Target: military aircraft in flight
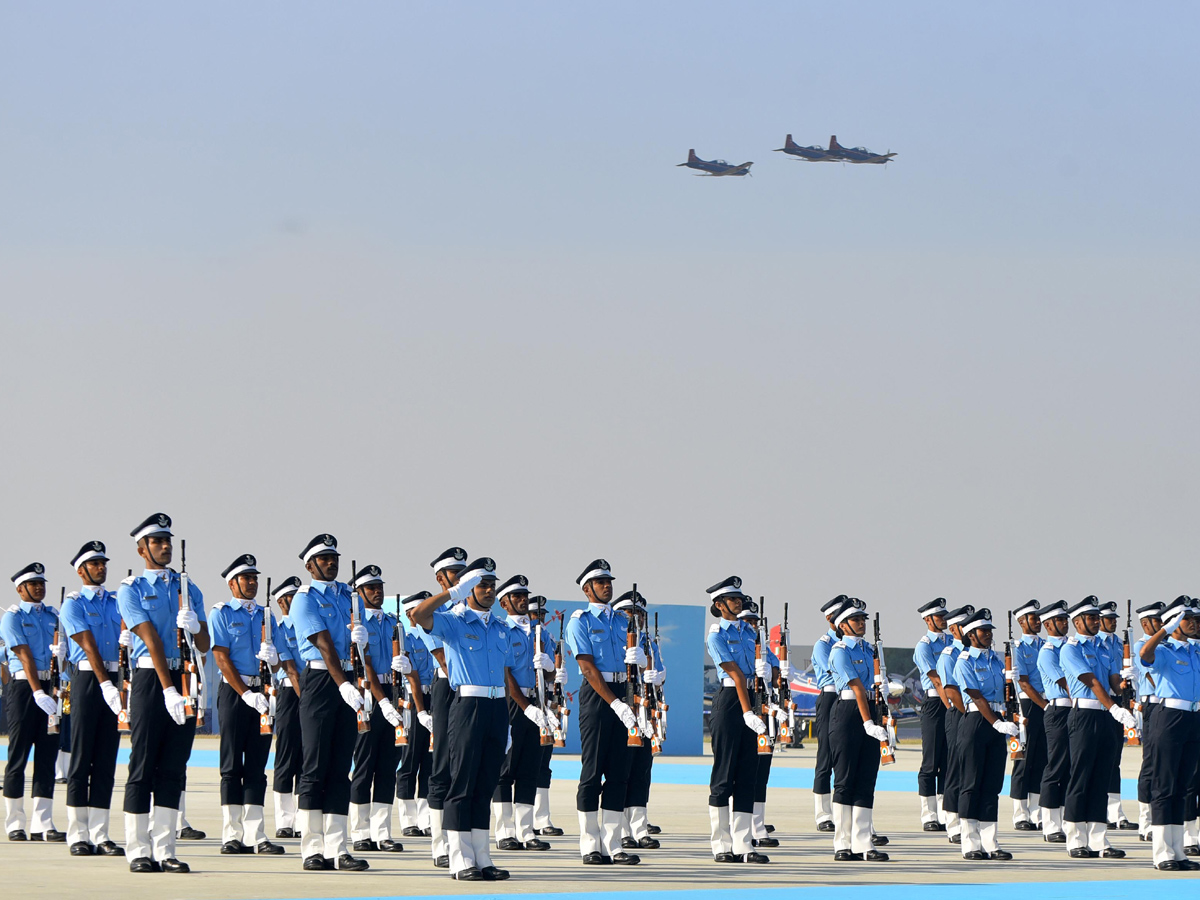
[(714, 166), (856, 155), (809, 154)]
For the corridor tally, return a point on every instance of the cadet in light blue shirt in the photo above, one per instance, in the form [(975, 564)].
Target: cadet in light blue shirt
[(1114, 652), (823, 769), (288, 742), (772, 672), (412, 779), (1055, 721), (931, 777), (955, 710), (1025, 783)]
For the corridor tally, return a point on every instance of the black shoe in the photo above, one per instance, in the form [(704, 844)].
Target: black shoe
[(875, 856), (510, 844), (470, 874), (365, 846), (879, 840), (412, 831), (753, 857), (596, 858), (1127, 825), (1057, 837), (171, 864), (535, 844), (442, 862), (725, 858), (1169, 865), (847, 856), (1112, 853), (628, 843), (50, 836), (1188, 865), (1025, 826), (1144, 837), (975, 854), (18, 835), (928, 826), (1082, 853), (108, 848), (765, 842), (825, 826), (1112, 826), (549, 831), (81, 848), (955, 838), (625, 859), (1000, 854), (769, 828), (648, 843), (315, 863), (654, 829), (235, 847), (188, 833), (428, 832), (390, 846), (348, 863), (491, 873), (1191, 850), (143, 864), (60, 781), (286, 833), (269, 849)]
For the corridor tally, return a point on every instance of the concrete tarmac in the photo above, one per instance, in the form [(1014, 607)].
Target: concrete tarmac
[(805, 857)]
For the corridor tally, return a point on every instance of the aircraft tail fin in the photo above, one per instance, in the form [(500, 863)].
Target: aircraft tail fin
[(833, 144), (789, 144), (692, 157)]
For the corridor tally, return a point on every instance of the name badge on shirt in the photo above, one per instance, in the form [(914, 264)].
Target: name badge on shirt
[(598, 631), (472, 637)]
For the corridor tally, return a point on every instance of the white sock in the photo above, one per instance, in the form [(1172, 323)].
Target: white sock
[(285, 810), (381, 822), (612, 825), (481, 846), (843, 827), (408, 814), (460, 850), (823, 807), (1077, 835), (639, 822), (1035, 808), (137, 836), (720, 837), (541, 809), (337, 833), (1052, 821), (311, 823), (1143, 818), (1020, 811), (254, 825), (422, 813), (741, 832), (953, 824), (971, 838), (41, 821), (437, 846), (759, 821), (523, 822), (1098, 836), (62, 764), (162, 834), (77, 825), (928, 810), (1160, 844), (503, 814), (14, 814), (589, 833), (860, 829), (360, 821), (231, 823), (98, 826), (988, 837)]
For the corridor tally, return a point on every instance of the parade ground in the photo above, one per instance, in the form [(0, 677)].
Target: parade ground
[(923, 866)]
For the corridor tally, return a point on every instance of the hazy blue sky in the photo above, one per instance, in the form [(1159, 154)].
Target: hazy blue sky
[(423, 274)]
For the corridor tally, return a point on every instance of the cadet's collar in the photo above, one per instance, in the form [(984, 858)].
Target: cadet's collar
[(26, 606), (152, 575), (726, 624), (975, 652), (1177, 644), (935, 635), (851, 640), (521, 622), (93, 590), (1028, 638), (1056, 641), (323, 586), (959, 644), (372, 613), (1084, 638), (287, 620), (600, 610)]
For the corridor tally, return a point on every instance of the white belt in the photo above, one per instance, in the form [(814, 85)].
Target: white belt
[(250, 680), (145, 662), (972, 706), (729, 682), (285, 681), (19, 674), (475, 690), (847, 694), (86, 666), (1087, 704), (1021, 695), (440, 673), (1152, 698), (615, 677), (320, 664), (384, 677), (1172, 703), (1059, 701), (829, 689), (529, 692)]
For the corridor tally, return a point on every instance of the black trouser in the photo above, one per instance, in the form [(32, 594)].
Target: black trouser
[(1027, 773), (27, 731), (289, 746), (638, 793), (953, 775), (1176, 748), (1146, 772), (94, 744), (1114, 779), (244, 751), (735, 754), (412, 781), (824, 766), (762, 776), (855, 757), (375, 759), (1058, 756), (440, 697), (544, 773), (1092, 751), (478, 732), (64, 727), (159, 748), (982, 750), (328, 727), (931, 777), (604, 755), (519, 771)]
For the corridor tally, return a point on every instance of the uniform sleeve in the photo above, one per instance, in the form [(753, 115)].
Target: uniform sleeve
[(718, 650), (305, 617), (73, 617), (840, 666), (577, 637), (220, 629), (770, 656), (965, 675), (945, 670), (445, 625), (1048, 667), (129, 603), (280, 641), (510, 652), (923, 657), (10, 628), (820, 655), (1073, 662)]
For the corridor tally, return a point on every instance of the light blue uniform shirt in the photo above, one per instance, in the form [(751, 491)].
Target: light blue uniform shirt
[(477, 652), (32, 625), (1050, 668), (381, 628), (432, 641), (983, 671), (945, 665), (323, 606), (728, 643), (1079, 656), (239, 631), (767, 654), (284, 638), (1025, 660), (1112, 651), (422, 660), (96, 611), (849, 661), (599, 632), (820, 658), (522, 647), (153, 597), (1176, 670), (1142, 680), (926, 654)]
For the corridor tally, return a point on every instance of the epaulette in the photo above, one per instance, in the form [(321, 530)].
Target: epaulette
[(16, 607), (713, 629), (74, 595), (130, 580), (577, 614), (828, 638), (924, 639), (946, 650), (303, 589), (220, 604), (841, 644), (965, 654), (1074, 642)]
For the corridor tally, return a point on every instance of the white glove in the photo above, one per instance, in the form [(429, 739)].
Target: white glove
[(535, 715), (425, 717), (754, 723), (560, 677), (779, 714), (552, 721), (1172, 625), (459, 592), (1127, 673), (359, 635), (45, 703), (761, 669), (1122, 715), (175, 705), (543, 661), (649, 676), (268, 654), (624, 713), (112, 696), (878, 679), (876, 731), (257, 701), (126, 638), (785, 670), (508, 742), (390, 712), (1008, 729), (895, 689), (188, 621), (351, 695), (59, 650), (401, 663), (635, 656)]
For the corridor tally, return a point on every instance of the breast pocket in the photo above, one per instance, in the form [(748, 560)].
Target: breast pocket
[(520, 650)]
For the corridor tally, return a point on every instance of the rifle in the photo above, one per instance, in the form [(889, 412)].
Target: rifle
[(772, 700), (883, 713), (647, 711), (1012, 706), (400, 687), (546, 738), (52, 722), (560, 700), (1129, 699), (631, 679), (356, 659), (788, 730), (266, 721), (190, 681), (759, 702), (124, 679), (660, 703)]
